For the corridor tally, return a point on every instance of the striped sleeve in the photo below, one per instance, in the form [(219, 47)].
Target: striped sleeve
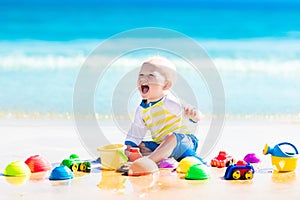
[(137, 130)]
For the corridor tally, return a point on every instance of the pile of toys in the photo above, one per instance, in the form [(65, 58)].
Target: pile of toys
[(38, 164), (191, 168), (194, 169), (243, 169)]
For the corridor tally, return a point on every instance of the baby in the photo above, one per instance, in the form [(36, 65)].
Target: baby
[(162, 114)]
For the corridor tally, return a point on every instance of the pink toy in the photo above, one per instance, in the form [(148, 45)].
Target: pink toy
[(251, 158)]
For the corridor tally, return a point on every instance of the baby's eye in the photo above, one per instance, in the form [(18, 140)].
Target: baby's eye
[(151, 76)]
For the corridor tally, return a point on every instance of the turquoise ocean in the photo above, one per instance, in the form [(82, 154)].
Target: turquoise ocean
[(255, 45)]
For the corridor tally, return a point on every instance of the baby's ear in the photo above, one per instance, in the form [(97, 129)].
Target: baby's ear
[(168, 85)]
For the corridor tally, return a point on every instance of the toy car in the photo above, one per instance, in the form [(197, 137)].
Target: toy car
[(222, 160), (238, 171), (75, 164)]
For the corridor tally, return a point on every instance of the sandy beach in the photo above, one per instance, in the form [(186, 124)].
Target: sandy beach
[(57, 139), (60, 59)]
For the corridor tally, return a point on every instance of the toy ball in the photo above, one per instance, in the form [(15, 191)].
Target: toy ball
[(198, 172), (142, 166), (17, 168), (38, 163), (186, 163), (61, 173), (282, 161)]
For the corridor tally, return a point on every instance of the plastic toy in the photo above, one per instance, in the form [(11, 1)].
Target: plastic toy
[(61, 173), (38, 163), (168, 163), (251, 158), (186, 163), (134, 154), (75, 164), (282, 161), (142, 166), (17, 168), (222, 160), (240, 170), (198, 172), (112, 156)]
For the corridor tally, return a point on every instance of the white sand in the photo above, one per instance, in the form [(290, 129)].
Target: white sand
[(57, 139)]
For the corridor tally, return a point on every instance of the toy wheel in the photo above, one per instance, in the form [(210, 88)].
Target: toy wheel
[(74, 167), (82, 167), (236, 175), (248, 175)]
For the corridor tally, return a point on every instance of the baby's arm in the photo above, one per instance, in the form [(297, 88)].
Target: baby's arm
[(136, 133), (127, 150), (179, 107), (143, 149)]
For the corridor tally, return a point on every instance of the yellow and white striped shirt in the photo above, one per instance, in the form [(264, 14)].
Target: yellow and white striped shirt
[(160, 118)]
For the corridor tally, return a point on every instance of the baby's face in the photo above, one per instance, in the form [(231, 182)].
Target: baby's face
[(151, 83)]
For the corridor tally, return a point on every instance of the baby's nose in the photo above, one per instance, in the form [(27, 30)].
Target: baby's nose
[(143, 80)]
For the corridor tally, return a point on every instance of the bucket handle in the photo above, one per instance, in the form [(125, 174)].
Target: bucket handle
[(121, 153), (287, 143)]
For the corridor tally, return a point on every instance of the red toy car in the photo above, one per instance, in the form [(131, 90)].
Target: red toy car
[(222, 160)]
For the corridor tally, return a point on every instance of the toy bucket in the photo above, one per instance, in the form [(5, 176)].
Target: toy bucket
[(112, 156), (283, 161)]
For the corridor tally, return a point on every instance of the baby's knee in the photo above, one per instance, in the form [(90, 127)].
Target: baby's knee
[(171, 137)]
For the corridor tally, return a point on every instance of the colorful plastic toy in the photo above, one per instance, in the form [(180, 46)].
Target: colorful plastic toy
[(282, 161), (17, 168), (240, 170), (38, 163), (168, 163), (251, 158), (142, 166), (75, 164), (186, 163), (198, 172), (61, 173), (112, 156), (134, 154), (222, 160)]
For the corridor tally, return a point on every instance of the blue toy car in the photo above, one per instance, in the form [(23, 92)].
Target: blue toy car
[(239, 171)]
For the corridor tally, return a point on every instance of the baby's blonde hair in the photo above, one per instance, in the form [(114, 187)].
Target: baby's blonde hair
[(166, 66)]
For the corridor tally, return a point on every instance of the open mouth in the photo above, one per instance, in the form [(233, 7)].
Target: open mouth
[(144, 89)]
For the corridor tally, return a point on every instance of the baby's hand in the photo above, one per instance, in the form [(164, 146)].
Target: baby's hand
[(144, 150), (192, 113)]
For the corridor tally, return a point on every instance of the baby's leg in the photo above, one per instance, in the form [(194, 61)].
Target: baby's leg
[(165, 149), (144, 150)]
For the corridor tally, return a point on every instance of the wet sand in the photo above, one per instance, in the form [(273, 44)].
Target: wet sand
[(56, 139)]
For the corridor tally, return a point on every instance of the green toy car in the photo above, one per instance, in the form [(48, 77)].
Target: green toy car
[(75, 164)]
